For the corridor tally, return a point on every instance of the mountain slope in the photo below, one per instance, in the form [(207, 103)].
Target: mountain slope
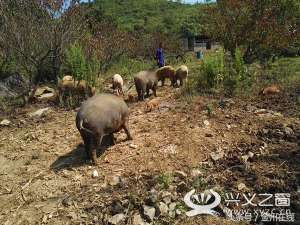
[(152, 15)]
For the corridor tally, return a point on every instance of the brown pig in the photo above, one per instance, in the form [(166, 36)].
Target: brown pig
[(117, 84), (70, 85), (181, 74), (144, 81), (271, 90), (151, 105), (166, 72), (100, 116)]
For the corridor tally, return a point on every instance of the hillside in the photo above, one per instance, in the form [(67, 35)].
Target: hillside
[(152, 15), (177, 147)]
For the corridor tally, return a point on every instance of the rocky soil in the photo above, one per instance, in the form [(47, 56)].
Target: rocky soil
[(246, 146)]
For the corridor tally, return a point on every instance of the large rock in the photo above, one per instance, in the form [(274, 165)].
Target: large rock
[(43, 90), (288, 131), (163, 208), (217, 155), (149, 212), (5, 122), (172, 209), (114, 180), (116, 219), (196, 172), (138, 220), (13, 86), (95, 174), (45, 94), (180, 174), (167, 197), (39, 113)]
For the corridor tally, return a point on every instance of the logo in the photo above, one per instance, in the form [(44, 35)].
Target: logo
[(257, 207), (200, 203)]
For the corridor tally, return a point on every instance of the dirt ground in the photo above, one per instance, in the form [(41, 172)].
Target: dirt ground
[(46, 179)]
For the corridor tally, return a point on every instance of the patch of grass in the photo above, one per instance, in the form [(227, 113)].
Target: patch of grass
[(285, 71), (3, 105), (181, 207), (210, 109), (127, 67), (164, 180), (220, 73), (187, 92), (71, 100), (200, 182)]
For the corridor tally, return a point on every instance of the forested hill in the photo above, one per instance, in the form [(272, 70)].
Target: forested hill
[(153, 15)]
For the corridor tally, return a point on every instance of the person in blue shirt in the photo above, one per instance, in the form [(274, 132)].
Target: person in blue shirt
[(160, 56)]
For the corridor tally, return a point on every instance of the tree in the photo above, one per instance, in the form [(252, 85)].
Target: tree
[(108, 44), (35, 34), (261, 27)]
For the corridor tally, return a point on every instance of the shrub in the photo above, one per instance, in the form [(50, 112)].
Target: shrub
[(165, 180), (75, 62), (238, 80), (81, 67), (126, 66), (219, 71), (211, 71)]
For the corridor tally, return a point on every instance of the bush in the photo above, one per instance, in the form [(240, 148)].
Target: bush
[(211, 72), (219, 71), (164, 180), (80, 66), (127, 67)]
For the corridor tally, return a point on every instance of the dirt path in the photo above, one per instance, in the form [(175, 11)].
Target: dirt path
[(46, 180)]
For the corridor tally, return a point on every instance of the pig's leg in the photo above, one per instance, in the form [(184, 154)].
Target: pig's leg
[(125, 127), (172, 81), (87, 144), (154, 90), (162, 81), (143, 90), (93, 150), (140, 94), (112, 139)]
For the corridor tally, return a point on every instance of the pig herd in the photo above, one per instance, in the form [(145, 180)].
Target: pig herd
[(105, 114)]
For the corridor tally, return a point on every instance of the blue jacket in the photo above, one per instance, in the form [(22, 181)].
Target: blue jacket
[(160, 57)]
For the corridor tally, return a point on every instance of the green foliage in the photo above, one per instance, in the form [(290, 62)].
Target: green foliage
[(79, 65), (188, 91), (211, 71), (69, 100), (258, 26), (165, 180), (210, 109), (127, 67), (220, 72), (200, 182), (152, 15), (284, 71), (7, 67), (235, 76), (92, 70), (75, 61)]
